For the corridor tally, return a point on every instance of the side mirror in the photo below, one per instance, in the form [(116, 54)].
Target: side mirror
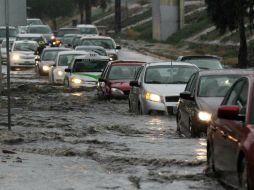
[(186, 95), (118, 47), (134, 83), (230, 112), (67, 70)]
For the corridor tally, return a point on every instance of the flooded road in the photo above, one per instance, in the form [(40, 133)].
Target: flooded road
[(65, 139)]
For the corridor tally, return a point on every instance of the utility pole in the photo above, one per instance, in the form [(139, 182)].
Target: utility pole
[(1, 75), (88, 8), (118, 16)]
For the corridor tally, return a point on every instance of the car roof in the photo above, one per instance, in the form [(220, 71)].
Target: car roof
[(91, 47), (72, 52), (226, 72), (173, 63), (127, 62), (29, 35), (199, 56), (86, 25), (25, 41), (96, 37)]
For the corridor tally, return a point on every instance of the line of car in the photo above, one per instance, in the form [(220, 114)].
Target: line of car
[(205, 98)]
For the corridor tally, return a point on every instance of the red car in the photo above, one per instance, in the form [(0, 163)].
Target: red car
[(114, 80), (230, 145)]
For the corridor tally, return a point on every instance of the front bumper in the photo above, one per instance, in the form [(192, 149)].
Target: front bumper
[(167, 107)]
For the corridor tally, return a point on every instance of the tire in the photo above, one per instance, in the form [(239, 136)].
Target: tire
[(66, 83), (243, 178), (210, 160), (192, 129), (140, 110), (178, 126)]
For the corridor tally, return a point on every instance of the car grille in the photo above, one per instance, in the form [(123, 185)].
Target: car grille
[(171, 98)]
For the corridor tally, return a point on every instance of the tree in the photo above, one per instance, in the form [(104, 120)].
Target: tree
[(231, 15), (87, 6), (50, 9)]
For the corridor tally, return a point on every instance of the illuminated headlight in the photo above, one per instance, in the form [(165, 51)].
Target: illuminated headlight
[(152, 97), (15, 57), (204, 116), (60, 73), (45, 68), (112, 57), (76, 81), (52, 37), (116, 91)]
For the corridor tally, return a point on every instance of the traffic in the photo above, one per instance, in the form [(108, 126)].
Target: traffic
[(205, 100)]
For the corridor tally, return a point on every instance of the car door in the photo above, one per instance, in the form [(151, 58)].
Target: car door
[(135, 90), (229, 132), (187, 104)]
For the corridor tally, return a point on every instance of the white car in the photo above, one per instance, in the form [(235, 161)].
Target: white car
[(106, 42), (3, 49), (63, 59), (23, 54), (157, 87), (85, 70)]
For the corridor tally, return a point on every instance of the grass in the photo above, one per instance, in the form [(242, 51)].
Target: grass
[(188, 31), (210, 36)]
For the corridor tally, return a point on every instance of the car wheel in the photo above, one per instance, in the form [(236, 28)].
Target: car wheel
[(178, 118), (210, 159), (140, 110), (243, 179), (130, 108), (66, 83), (192, 129)]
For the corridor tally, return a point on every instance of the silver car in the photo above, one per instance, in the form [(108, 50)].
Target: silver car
[(23, 54), (157, 87), (3, 49)]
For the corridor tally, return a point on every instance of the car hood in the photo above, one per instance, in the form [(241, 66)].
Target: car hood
[(120, 84), (111, 51), (24, 52), (165, 89), (47, 62), (209, 104)]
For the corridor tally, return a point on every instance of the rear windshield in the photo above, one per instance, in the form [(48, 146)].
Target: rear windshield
[(89, 65), (167, 74), (205, 63), (123, 72), (88, 30)]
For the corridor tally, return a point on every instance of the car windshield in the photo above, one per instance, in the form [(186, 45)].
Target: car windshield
[(37, 39), (123, 72), (88, 30), (39, 30), (65, 60), (25, 47), (167, 74), (12, 32), (61, 33), (49, 55), (215, 86), (205, 63), (89, 65), (34, 22), (92, 50), (106, 43), (67, 40)]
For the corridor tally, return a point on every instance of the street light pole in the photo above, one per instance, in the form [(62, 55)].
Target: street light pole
[(8, 62)]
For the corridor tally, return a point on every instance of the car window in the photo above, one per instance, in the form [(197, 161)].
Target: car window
[(205, 63), (123, 72), (39, 30), (25, 47), (88, 30), (106, 43), (215, 85), (49, 55), (12, 32), (193, 85), (189, 83), (232, 96), (89, 65), (167, 74), (65, 60)]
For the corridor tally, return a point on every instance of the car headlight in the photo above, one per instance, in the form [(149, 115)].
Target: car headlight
[(15, 57), (45, 68), (152, 97), (204, 116), (117, 91), (60, 73), (76, 80), (112, 57)]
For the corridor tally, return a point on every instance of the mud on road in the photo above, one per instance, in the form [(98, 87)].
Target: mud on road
[(68, 139)]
